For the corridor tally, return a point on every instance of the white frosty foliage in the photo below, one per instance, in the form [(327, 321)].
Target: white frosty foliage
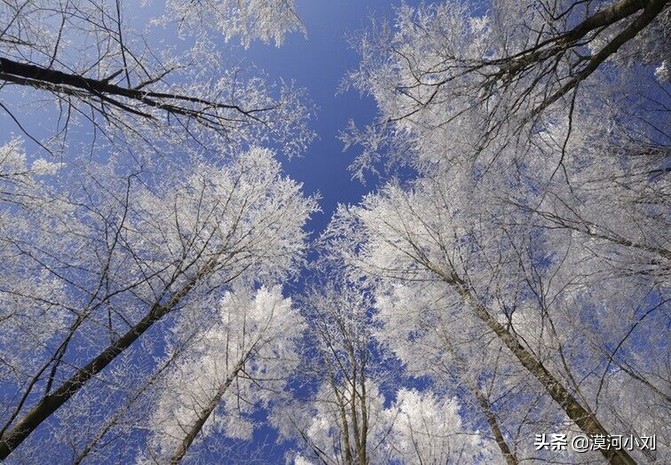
[(18, 182), (427, 429), (266, 20), (42, 166), (662, 72), (100, 248), (300, 460), (327, 430), (246, 216), (418, 427), (250, 334)]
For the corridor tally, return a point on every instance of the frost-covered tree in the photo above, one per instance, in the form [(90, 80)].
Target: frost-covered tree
[(418, 427), (248, 20), (231, 368), (358, 410), (512, 282), (341, 423), (516, 68), (475, 296), (98, 65), (427, 429), (97, 257), (100, 258), (525, 267)]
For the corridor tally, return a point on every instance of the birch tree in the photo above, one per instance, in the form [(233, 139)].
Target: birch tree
[(358, 410), (515, 69), (532, 247), (428, 429), (96, 262), (232, 367), (97, 66), (518, 320), (538, 220), (341, 423)]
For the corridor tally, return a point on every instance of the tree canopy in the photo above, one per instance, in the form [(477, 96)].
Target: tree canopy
[(501, 294)]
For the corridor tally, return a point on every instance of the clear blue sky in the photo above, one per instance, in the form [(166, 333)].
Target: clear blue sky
[(319, 63)]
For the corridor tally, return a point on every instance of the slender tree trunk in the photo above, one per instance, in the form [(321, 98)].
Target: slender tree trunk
[(345, 425), (52, 402), (496, 430), (581, 416), (485, 407), (127, 407), (11, 439), (364, 418), (204, 414)]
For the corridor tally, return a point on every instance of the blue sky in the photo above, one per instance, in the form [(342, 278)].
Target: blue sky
[(319, 64)]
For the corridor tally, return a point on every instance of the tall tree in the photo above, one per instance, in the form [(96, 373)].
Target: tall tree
[(515, 68), (539, 216), (232, 367), (94, 264), (92, 64), (429, 429), (357, 410), (98, 255), (342, 423), (484, 281)]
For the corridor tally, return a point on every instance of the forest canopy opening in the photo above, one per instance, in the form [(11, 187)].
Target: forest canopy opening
[(500, 294)]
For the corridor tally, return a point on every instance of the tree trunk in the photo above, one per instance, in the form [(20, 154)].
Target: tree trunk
[(204, 414), (11, 439), (581, 416)]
